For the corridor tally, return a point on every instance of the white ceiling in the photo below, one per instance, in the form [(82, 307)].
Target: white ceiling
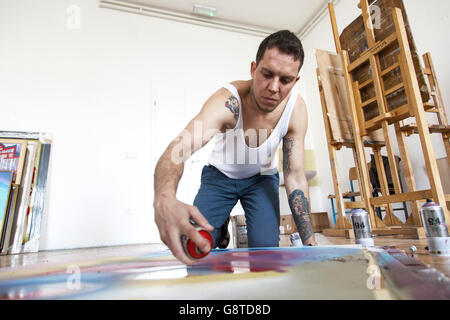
[(266, 15)]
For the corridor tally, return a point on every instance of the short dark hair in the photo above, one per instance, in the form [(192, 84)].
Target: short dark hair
[(286, 42)]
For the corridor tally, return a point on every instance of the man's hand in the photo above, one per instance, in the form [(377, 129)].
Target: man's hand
[(173, 220)]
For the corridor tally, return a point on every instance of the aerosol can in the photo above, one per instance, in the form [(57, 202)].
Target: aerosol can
[(361, 228), (296, 241), (436, 229), (191, 249)]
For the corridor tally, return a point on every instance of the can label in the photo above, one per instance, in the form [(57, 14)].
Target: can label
[(191, 249), (361, 225)]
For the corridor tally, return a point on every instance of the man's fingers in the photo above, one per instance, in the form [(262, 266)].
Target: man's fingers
[(177, 249), (198, 239), (183, 221), (200, 219)]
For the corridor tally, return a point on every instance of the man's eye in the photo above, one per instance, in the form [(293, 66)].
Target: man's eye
[(267, 75)]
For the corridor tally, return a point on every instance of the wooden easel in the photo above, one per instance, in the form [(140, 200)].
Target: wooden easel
[(339, 132), (414, 108), (436, 107)]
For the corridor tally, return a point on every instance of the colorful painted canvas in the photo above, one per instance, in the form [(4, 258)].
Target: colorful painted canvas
[(12, 157), (329, 272), (5, 188), (10, 220)]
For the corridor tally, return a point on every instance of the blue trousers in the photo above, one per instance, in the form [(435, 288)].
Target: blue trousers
[(259, 197)]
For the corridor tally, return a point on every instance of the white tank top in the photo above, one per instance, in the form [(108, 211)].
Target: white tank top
[(235, 159)]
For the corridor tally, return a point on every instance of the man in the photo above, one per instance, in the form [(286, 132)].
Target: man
[(249, 119)]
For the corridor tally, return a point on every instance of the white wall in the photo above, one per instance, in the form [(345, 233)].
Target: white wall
[(428, 20), (93, 88)]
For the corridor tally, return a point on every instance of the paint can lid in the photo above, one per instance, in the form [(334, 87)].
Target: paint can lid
[(430, 204), (295, 236)]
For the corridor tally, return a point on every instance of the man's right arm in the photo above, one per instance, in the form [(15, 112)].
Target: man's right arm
[(172, 216)]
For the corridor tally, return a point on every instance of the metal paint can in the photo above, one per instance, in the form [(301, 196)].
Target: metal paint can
[(436, 229), (362, 228), (295, 240), (241, 238), (434, 220), (191, 249)]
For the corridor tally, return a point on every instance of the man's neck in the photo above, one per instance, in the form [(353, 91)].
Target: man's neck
[(252, 100), (251, 105)]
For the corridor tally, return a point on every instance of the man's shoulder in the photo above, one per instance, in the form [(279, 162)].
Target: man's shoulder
[(300, 102), (224, 94), (224, 105), (242, 86), (300, 106), (299, 118)]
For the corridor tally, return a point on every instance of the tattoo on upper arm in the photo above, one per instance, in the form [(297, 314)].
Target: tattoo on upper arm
[(233, 105), (288, 143), (300, 211)]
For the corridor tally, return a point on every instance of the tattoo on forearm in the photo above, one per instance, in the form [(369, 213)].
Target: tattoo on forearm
[(288, 143), (300, 211), (233, 105)]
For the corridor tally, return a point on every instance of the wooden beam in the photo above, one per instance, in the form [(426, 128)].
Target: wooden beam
[(414, 219), (359, 110), (367, 102), (405, 233), (393, 89), (389, 69), (435, 88), (393, 116), (377, 48), (354, 205), (433, 129), (346, 233), (334, 27), (365, 84), (383, 183), (397, 198)]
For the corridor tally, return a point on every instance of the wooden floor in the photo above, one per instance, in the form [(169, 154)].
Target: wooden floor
[(63, 256)]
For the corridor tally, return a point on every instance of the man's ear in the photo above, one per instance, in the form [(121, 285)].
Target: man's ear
[(253, 68)]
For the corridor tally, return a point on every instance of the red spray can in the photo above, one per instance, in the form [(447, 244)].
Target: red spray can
[(191, 249)]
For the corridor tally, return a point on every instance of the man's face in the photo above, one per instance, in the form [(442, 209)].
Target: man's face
[(273, 79)]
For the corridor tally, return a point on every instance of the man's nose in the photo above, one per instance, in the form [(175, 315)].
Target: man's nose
[(274, 86)]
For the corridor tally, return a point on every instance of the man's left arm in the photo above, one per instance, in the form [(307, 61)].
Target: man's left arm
[(295, 181)]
